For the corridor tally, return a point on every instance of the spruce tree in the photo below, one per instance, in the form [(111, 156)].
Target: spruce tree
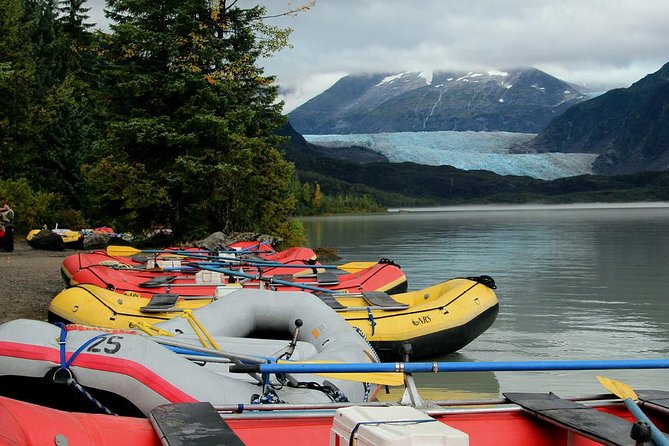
[(191, 119), (17, 90)]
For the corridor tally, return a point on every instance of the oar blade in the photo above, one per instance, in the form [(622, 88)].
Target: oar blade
[(381, 378), (354, 267), (392, 379), (618, 388), (122, 251)]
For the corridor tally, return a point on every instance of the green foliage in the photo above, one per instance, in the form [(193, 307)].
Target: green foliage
[(167, 120), (292, 233), (35, 209), (186, 98), (311, 201), (121, 195)]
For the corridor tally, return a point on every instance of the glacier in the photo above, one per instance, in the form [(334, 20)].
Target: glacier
[(466, 151)]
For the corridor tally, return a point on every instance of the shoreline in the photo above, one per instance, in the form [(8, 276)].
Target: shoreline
[(29, 280), (534, 207)]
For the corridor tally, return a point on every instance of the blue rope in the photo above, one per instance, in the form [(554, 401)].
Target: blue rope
[(65, 364)]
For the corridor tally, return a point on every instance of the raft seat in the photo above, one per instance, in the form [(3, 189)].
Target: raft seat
[(192, 424), (591, 423), (377, 300), (161, 303), (157, 282), (330, 300), (382, 300), (656, 397)]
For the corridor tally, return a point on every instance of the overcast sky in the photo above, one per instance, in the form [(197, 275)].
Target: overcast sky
[(597, 43)]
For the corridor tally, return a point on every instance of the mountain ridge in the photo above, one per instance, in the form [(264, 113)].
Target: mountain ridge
[(517, 100), (627, 127)]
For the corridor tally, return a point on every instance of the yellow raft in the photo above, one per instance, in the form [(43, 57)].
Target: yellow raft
[(435, 321)]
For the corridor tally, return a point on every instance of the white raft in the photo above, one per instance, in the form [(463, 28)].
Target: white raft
[(147, 374)]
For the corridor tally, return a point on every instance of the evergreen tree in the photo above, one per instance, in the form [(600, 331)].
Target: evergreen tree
[(17, 90), (189, 107), (45, 111)]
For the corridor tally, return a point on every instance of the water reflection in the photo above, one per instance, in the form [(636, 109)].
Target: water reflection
[(452, 385), (573, 283)]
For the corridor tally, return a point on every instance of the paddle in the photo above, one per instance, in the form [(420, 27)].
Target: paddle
[(127, 251), (269, 280), (434, 367), (384, 379), (629, 397)]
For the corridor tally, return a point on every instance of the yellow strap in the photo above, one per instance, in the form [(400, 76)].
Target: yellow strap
[(150, 329), (199, 330)]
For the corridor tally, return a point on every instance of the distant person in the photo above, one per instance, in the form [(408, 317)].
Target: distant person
[(7, 227)]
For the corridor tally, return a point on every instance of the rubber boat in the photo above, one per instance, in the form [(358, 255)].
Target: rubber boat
[(125, 257), (538, 419), (141, 372), (58, 239), (382, 276), (55, 239), (25, 424), (437, 320)]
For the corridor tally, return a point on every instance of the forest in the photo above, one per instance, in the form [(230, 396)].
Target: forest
[(165, 120)]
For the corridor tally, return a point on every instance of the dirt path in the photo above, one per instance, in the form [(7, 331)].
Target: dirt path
[(29, 279)]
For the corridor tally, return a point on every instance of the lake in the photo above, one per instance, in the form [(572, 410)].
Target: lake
[(574, 282)]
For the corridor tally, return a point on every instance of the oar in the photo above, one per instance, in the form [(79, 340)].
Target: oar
[(384, 379), (262, 264), (490, 366), (269, 280), (629, 397), (127, 251)]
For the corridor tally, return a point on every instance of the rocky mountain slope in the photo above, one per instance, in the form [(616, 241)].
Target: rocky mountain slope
[(628, 128), (518, 100)]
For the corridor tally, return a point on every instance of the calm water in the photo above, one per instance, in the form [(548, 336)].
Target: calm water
[(574, 282)]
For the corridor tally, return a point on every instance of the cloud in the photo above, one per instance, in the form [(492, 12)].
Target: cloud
[(599, 43)]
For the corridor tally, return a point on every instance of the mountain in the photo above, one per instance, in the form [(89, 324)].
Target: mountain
[(628, 128), (518, 100)]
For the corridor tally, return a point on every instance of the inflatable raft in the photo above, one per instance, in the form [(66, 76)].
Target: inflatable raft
[(437, 320), (125, 257), (538, 419), (383, 276), (138, 370)]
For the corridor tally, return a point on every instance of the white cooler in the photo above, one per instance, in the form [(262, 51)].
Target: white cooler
[(391, 426)]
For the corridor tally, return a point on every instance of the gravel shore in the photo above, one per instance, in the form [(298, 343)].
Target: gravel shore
[(29, 279)]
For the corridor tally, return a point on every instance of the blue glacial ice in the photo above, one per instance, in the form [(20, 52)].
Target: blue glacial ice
[(465, 150)]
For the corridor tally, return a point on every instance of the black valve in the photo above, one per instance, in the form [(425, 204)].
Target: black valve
[(641, 432)]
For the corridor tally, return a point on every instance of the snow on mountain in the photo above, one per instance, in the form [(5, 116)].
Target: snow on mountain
[(465, 150), (514, 100)]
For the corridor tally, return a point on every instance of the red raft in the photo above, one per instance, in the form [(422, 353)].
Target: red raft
[(384, 276), (533, 419), (25, 424), (172, 256)]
